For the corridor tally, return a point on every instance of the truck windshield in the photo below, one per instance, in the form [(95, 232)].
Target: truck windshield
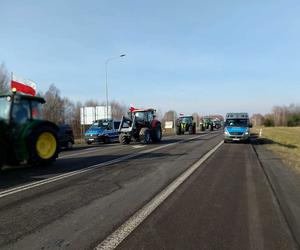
[(4, 107), (101, 124), (237, 122)]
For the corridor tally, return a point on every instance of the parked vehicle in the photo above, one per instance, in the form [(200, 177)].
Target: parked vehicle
[(25, 137), (140, 126), (102, 131), (65, 136), (185, 124), (237, 127)]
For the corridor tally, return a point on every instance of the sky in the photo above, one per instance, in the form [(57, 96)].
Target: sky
[(209, 57)]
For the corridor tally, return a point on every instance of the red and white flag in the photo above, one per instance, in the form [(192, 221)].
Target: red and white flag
[(181, 114), (23, 85)]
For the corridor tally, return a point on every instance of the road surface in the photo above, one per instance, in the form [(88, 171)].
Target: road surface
[(227, 203)]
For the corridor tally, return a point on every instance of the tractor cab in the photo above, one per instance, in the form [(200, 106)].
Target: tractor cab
[(17, 109), (24, 136), (144, 115)]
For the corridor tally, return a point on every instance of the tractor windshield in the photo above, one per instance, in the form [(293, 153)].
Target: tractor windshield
[(186, 119), (5, 102), (140, 115)]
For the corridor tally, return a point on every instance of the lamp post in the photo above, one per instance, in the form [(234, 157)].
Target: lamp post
[(106, 86)]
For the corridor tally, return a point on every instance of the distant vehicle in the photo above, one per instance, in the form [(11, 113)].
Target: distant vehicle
[(206, 123), (185, 124), (65, 136), (102, 131), (140, 126), (237, 127)]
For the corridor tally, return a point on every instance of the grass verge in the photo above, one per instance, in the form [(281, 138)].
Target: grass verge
[(283, 141)]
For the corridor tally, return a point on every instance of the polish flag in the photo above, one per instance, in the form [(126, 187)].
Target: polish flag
[(23, 85)]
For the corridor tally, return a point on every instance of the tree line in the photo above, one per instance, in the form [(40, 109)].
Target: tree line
[(280, 116)]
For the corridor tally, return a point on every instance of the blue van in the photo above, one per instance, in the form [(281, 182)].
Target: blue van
[(237, 127), (102, 131)]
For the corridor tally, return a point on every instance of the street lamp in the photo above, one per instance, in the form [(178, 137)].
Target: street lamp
[(106, 86)]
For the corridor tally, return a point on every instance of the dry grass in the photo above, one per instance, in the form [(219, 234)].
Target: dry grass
[(283, 141)]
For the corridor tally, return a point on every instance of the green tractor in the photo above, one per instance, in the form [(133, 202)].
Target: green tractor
[(185, 124), (207, 123), (25, 138)]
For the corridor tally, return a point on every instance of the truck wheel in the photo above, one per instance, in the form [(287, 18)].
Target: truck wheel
[(123, 139), (43, 146), (156, 134), (106, 140), (145, 135)]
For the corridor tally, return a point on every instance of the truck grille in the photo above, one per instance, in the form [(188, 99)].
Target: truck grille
[(236, 133)]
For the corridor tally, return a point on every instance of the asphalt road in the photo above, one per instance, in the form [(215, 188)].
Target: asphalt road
[(90, 191)]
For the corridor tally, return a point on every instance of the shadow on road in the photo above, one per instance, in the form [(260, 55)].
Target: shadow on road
[(14, 176), (269, 141)]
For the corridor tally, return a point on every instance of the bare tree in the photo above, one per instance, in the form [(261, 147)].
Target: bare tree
[(4, 79), (54, 108), (118, 110), (257, 119)]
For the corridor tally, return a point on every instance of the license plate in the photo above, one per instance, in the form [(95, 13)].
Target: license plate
[(236, 139)]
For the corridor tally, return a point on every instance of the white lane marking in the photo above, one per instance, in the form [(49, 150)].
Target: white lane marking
[(76, 172), (113, 240), (139, 146), (85, 151)]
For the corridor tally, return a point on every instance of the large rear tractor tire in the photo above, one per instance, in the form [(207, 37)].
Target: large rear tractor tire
[(178, 130), (190, 129), (156, 134), (43, 146), (145, 136), (194, 128), (123, 139)]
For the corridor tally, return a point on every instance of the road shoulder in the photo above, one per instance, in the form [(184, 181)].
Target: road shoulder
[(286, 187)]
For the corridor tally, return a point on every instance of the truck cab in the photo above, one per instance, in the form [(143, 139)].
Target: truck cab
[(237, 127)]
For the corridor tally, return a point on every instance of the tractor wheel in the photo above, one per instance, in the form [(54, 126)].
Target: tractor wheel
[(156, 134), (145, 135), (123, 139), (190, 129), (194, 128), (43, 146), (178, 130), (88, 142), (202, 128), (210, 127)]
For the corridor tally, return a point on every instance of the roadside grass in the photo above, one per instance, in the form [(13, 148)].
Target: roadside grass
[(283, 141)]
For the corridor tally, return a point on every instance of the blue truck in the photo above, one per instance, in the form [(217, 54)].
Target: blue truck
[(237, 127), (102, 131)]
